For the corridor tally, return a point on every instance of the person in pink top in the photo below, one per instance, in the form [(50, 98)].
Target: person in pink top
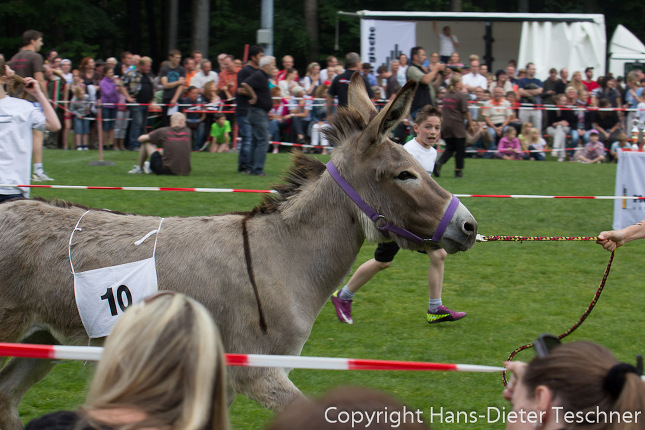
[(109, 86), (509, 147)]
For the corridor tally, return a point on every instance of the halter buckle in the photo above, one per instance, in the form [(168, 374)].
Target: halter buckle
[(380, 222)]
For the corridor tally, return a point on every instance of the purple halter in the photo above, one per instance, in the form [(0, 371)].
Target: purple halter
[(381, 222)]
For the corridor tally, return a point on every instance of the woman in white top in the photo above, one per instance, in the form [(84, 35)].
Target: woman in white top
[(403, 67), (311, 79)]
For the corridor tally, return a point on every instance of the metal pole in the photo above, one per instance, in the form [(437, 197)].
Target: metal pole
[(267, 24)]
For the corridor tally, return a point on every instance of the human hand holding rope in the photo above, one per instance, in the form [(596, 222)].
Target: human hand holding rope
[(610, 240)]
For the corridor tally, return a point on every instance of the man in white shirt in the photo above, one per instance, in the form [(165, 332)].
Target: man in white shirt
[(497, 114), (205, 74), (332, 62), (474, 79), (448, 43)]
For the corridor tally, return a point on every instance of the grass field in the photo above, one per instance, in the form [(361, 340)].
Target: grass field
[(511, 291)]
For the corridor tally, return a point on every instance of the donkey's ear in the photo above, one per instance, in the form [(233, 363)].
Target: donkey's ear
[(358, 99), (391, 115)]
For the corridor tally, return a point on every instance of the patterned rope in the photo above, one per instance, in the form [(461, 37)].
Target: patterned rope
[(555, 239), (535, 238)]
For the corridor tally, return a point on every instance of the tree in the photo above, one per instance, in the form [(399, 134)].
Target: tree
[(199, 35), (303, 28), (311, 23)]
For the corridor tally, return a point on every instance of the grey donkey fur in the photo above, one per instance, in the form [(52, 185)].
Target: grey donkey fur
[(301, 245)]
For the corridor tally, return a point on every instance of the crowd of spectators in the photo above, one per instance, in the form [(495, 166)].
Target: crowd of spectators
[(565, 113), (132, 99), (129, 99)]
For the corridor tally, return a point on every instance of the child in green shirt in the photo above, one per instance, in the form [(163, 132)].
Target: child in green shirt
[(220, 134)]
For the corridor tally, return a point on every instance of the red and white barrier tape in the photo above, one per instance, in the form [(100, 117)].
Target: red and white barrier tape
[(197, 190), (530, 196), (93, 353), (240, 190)]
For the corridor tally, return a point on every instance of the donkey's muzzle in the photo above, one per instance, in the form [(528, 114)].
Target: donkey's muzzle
[(461, 232)]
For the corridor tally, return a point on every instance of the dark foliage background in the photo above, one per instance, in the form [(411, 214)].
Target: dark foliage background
[(104, 28)]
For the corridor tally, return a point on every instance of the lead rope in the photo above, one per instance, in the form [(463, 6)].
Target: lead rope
[(557, 239)]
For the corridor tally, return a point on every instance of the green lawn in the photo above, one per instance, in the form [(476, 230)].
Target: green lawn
[(511, 291)]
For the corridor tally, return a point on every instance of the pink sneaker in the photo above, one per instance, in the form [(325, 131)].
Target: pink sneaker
[(444, 314), (343, 308)]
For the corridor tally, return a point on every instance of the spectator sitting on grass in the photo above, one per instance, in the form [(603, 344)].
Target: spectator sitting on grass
[(621, 144), (536, 144), (174, 156), (509, 147), (594, 151), (220, 134)]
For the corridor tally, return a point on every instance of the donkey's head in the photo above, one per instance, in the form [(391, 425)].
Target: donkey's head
[(389, 180)]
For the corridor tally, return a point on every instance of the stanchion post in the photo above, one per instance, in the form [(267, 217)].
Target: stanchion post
[(99, 130)]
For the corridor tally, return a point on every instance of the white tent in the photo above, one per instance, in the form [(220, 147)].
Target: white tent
[(623, 42), (574, 41), (626, 52)]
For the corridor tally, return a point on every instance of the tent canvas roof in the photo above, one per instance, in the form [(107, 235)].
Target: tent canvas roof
[(477, 16), (624, 42)]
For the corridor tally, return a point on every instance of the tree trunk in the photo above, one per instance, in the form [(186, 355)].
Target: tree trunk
[(155, 49), (199, 32), (455, 6), (134, 21), (311, 22), (172, 12)]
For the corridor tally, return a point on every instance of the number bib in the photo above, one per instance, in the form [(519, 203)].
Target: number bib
[(103, 294)]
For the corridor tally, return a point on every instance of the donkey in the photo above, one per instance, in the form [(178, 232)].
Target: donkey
[(264, 274)]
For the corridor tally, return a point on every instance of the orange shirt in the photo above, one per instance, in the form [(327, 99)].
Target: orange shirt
[(189, 76), (228, 79)]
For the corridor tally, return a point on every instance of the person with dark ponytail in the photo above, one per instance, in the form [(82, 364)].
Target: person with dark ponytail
[(18, 118), (455, 113), (578, 385)]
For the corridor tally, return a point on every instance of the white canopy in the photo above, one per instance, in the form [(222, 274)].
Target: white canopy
[(574, 41), (623, 42)]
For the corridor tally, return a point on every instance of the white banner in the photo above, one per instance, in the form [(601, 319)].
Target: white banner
[(384, 41), (630, 181)]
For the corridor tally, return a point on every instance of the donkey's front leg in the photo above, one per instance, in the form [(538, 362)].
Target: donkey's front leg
[(272, 388), (20, 374), (16, 377)]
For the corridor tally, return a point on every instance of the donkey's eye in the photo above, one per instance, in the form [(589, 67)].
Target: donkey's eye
[(405, 175)]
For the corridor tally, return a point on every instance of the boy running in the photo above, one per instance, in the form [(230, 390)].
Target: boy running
[(427, 129)]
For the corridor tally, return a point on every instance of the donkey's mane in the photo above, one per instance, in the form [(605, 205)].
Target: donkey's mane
[(345, 124), (303, 170)]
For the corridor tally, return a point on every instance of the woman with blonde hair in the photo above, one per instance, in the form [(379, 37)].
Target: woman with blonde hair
[(576, 81), (536, 145), (311, 79), (575, 385), (162, 367), (524, 135)]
